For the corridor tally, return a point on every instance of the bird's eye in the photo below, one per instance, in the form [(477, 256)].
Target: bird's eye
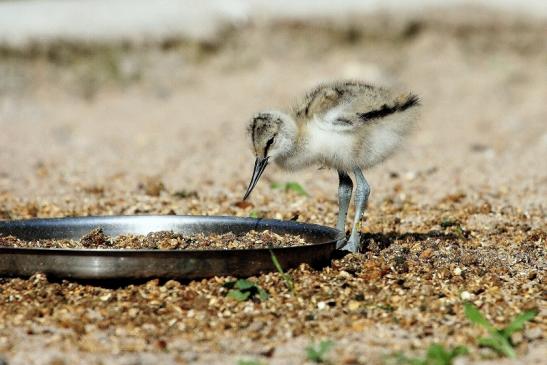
[(268, 145)]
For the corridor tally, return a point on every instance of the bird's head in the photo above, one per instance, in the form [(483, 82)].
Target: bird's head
[(272, 134)]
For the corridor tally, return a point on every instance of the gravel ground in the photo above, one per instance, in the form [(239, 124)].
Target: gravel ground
[(459, 215), (421, 262)]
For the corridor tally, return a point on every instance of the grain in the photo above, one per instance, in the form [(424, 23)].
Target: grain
[(164, 240)]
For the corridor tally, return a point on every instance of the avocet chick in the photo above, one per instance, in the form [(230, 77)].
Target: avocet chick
[(344, 125)]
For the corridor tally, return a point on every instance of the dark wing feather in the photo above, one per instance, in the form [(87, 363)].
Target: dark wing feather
[(399, 106)]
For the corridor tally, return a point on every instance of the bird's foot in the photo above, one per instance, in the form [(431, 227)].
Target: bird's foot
[(341, 243), (353, 244)]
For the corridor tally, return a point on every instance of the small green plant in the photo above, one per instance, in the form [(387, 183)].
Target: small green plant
[(292, 186), (286, 277), (249, 362), (455, 226), (500, 339), (317, 352), (460, 232), (254, 214), (243, 289), (436, 355)]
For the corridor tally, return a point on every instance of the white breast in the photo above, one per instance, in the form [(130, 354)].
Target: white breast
[(332, 148)]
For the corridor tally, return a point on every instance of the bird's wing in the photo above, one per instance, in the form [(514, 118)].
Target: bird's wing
[(364, 110), (327, 96)]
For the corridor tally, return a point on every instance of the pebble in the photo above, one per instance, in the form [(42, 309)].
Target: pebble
[(517, 338), (353, 305), (465, 295), (426, 254), (345, 274), (533, 333)]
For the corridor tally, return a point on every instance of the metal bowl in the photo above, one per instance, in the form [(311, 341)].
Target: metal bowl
[(100, 264)]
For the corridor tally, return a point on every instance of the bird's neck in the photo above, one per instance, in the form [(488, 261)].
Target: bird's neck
[(291, 156)]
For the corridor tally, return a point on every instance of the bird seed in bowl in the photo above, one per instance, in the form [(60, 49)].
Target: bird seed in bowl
[(164, 240)]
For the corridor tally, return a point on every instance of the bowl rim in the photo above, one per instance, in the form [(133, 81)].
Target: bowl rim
[(57, 223)]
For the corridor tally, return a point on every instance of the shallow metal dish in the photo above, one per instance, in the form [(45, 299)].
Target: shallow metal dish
[(98, 264)]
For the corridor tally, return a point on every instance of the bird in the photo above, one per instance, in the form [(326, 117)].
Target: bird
[(345, 125)]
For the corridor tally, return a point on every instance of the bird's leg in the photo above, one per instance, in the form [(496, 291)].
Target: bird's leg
[(345, 188), (362, 192)]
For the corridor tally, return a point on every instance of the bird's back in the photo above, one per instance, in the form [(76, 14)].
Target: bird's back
[(326, 96), (371, 120), (366, 100)]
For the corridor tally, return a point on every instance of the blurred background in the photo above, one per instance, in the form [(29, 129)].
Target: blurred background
[(106, 96)]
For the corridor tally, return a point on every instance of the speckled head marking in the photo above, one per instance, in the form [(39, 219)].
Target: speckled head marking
[(263, 129), (272, 134)]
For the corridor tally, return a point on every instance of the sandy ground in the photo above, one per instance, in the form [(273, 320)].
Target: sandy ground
[(139, 21), (84, 129), (173, 113)]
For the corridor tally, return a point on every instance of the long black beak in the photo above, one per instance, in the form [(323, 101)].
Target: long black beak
[(260, 165)]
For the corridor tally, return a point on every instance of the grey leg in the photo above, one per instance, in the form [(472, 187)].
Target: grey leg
[(345, 188), (362, 192)]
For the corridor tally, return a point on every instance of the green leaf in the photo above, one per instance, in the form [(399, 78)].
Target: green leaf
[(499, 344), (291, 185), (253, 214), (243, 284), (297, 188), (239, 295), (317, 352), (459, 231), (459, 351), (262, 294), (518, 323), (474, 315), (437, 352), (243, 289), (436, 355), (499, 340), (286, 277)]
